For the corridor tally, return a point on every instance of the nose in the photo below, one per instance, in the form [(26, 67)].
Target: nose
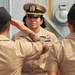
[(33, 19)]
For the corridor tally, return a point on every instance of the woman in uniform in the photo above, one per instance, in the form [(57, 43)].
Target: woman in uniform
[(34, 20)]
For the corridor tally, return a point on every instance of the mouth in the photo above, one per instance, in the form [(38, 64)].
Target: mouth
[(33, 23)]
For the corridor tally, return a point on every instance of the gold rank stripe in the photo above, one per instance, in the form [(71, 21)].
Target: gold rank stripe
[(34, 13)]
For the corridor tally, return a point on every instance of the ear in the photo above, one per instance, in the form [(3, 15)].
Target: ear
[(70, 27), (8, 29), (68, 24)]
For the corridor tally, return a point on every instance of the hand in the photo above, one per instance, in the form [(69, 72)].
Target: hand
[(45, 46), (20, 26), (17, 23)]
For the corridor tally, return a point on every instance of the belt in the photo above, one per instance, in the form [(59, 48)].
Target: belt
[(35, 72)]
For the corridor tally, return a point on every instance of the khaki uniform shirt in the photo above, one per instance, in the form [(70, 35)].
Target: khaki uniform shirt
[(62, 56), (13, 53), (37, 65)]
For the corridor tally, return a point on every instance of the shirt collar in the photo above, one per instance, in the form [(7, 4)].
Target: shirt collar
[(3, 37), (71, 35)]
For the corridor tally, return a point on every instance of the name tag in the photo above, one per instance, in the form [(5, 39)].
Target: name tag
[(46, 38)]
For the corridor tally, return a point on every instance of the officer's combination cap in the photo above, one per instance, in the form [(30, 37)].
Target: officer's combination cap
[(34, 9), (4, 16), (71, 13)]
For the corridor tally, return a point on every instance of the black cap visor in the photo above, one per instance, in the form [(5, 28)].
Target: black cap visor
[(33, 15)]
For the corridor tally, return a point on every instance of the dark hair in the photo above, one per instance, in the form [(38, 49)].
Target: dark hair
[(43, 24), (71, 16), (72, 22), (3, 27)]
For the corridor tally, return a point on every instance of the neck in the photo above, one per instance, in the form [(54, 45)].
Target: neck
[(36, 30), (4, 33)]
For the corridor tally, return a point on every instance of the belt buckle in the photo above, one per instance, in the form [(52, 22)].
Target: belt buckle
[(32, 72)]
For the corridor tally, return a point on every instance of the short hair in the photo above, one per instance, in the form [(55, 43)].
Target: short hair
[(71, 16), (4, 19), (3, 27)]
